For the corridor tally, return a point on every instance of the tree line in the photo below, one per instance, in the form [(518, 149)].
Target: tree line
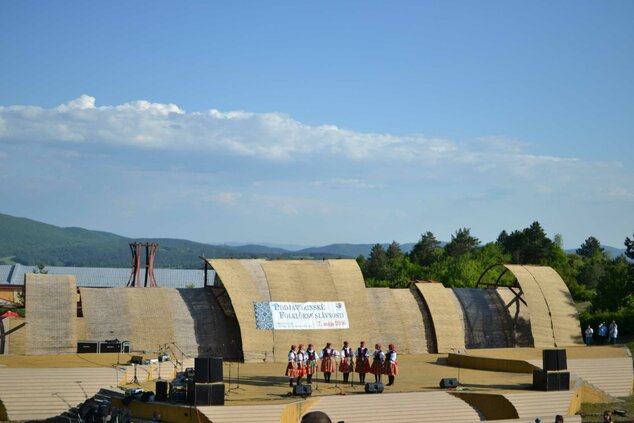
[(590, 273)]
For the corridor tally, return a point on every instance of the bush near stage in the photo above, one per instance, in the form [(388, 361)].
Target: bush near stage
[(624, 319)]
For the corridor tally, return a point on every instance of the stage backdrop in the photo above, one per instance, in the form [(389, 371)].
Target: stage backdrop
[(306, 316)]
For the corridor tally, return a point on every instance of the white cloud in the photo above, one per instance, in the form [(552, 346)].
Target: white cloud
[(166, 126), (226, 197)]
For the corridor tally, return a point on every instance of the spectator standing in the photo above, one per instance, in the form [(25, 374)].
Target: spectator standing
[(613, 332), (588, 334), (602, 332)]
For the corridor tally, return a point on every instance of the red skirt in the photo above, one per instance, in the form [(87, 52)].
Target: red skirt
[(301, 370), (346, 365), (311, 367), (377, 367), (328, 365), (291, 371), (391, 368), (362, 365)]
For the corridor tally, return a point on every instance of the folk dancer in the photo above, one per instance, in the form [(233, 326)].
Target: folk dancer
[(311, 363), (328, 361), (378, 360), (291, 369), (300, 361), (391, 365), (362, 366), (346, 365)]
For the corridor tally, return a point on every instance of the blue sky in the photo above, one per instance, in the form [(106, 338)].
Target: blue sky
[(314, 123)]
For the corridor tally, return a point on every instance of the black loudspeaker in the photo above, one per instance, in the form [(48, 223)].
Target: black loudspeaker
[(125, 347), (544, 380), (447, 382), (109, 347), (549, 360), (161, 390), (562, 362), (201, 370), (302, 390), (147, 396), (215, 369), (87, 347), (210, 394), (374, 388), (218, 394)]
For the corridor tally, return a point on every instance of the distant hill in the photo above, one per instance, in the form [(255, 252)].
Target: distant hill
[(612, 252), (349, 250), (29, 242)]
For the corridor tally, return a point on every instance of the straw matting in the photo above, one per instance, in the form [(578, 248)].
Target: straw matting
[(51, 314)]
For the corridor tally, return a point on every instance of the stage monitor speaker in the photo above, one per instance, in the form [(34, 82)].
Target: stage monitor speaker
[(109, 347), (448, 382), (374, 388), (201, 370), (302, 390), (87, 347), (161, 390), (215, 369)]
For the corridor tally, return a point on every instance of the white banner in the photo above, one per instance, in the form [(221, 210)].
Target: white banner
[(313, 315)]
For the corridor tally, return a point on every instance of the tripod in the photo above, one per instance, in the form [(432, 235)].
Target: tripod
[(135, 380)]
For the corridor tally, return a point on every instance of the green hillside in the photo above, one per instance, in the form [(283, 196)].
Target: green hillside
[(30, 242)]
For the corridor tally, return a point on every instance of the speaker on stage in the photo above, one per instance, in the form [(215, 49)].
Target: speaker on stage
[(209, 394), (87, 347), (201, 370), (544, 380), (215, 369), (217, 394), (448, 382), (549, 360), (554, 360), (161, 390), (302, 390), (374, 388), (562, 362)]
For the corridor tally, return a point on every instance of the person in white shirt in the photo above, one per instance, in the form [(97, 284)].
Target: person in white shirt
[(300, 361), (588, 333), (346, 365), (362, 366), (328, 361), (378, 360), (291, 369), (391, 364), (311, 363)]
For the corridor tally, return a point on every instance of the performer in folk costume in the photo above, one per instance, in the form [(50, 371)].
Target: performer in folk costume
[(378, 360), (346, 364), (300, 361), (291, 369), (328, 361), (391, 365), (311, 363), (363, 362)]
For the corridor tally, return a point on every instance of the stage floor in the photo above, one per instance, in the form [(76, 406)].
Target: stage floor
[(264, 383)]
